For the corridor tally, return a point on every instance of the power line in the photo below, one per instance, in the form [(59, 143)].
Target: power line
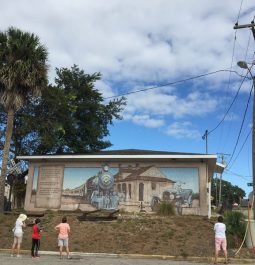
[(239, 134), (239, 12), (176, 82), (232, 59), (236, 174), (241, 147), (234, 99)]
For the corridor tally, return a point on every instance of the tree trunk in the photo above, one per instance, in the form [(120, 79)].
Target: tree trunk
[(5, 156)]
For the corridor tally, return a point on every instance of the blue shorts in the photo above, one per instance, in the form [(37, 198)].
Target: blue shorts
[(63, 242)]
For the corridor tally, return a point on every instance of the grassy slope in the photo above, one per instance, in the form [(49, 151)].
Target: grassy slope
[(144, 234)]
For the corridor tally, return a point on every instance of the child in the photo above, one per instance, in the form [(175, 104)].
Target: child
[(18, 233), (36, 238), (220, 239), (63, 236)]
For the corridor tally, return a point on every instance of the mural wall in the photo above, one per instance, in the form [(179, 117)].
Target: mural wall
[(129, 188)]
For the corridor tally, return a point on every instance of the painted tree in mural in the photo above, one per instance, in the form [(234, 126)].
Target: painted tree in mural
[(23, 74), (70, 116)]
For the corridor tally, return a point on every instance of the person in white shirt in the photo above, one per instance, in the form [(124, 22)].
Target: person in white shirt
[(220, 239), (18, 234)]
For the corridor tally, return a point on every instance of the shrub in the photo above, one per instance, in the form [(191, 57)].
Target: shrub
[(165, 208), (235, 227), (2, 218)]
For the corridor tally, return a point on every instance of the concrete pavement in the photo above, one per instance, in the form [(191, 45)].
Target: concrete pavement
[(52, 258)]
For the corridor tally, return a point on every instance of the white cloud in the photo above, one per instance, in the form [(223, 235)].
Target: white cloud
[(141, 42), (230, 117), (158, 103), (146, 120), (183, 130)]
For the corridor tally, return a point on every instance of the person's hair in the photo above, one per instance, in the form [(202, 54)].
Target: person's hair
[(37, 221), (220, 219), (64, 220)]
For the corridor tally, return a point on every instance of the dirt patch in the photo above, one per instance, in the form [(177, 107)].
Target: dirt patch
[(144, 234)]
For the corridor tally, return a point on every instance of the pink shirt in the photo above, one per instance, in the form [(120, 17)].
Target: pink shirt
[(64, 229)]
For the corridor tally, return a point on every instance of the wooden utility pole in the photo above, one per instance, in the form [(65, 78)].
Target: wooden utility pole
[(205, 137), (251, 26), (222, 156)]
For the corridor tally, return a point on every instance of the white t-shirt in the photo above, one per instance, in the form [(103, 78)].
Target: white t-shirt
[(18, 227), (220, 230)]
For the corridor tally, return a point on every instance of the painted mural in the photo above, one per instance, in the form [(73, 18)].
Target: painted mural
[(129, 188)]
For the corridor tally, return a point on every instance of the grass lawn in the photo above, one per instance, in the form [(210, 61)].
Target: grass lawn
[(130, 234)]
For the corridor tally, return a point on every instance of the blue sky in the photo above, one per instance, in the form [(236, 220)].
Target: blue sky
[(141, 44)]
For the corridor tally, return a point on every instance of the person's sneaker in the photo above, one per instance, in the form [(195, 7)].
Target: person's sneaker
[(12, 255), (18, 256)]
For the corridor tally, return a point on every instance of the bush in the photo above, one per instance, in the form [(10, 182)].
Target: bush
[(165, 208), (2, 218), (235, 227)]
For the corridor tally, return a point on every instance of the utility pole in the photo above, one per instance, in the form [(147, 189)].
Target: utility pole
[(216, 190), (251, 26), (205, 137), (222, 156)]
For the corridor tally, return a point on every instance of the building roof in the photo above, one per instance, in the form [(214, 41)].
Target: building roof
[(127, 155)]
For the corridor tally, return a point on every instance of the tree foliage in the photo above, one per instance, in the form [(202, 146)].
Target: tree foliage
[(229, 193), (23, 74), (69, 117)]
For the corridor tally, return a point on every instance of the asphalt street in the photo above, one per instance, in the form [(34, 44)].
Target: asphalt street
[(6, 259)]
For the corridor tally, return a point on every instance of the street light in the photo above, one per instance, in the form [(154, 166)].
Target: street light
[(244, 65)]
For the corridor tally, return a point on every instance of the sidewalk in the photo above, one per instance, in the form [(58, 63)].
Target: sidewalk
[(52, 258)]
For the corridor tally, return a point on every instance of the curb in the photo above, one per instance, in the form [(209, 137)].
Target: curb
[(137, 256)]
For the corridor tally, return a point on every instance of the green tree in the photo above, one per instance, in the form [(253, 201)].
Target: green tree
[(69, 117), (229, 193), (23, 74)]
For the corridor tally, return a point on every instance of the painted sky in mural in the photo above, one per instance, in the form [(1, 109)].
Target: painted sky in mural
[(186, 177)]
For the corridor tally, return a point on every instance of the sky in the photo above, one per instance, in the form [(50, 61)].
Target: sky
[(151, 46)]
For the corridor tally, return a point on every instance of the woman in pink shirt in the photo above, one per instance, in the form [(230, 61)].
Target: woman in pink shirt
[(63, 235)]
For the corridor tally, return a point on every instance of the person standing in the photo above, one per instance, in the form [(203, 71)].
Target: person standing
[(36, 238), (220, 239), (18, 234), (63, 237)]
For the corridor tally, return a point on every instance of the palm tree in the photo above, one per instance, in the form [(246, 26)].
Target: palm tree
[(23, 74)]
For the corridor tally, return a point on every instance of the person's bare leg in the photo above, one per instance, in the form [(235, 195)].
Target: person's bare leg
[(13, 248), (226, 256), (67, 252), (216, 256), (61, 251), (18, 250)]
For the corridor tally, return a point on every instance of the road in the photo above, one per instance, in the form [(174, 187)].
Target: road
[(5, 259)]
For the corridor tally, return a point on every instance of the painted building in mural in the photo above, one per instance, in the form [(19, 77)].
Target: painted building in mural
[(124, 179)]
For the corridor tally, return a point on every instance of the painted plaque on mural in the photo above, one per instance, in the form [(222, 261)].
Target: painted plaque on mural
[(49, 187)]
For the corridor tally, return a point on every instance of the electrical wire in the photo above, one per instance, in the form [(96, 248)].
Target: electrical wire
[(239, 134), (176, 82), (246, 52), (241, 147), (230, 106), (227, 171)]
